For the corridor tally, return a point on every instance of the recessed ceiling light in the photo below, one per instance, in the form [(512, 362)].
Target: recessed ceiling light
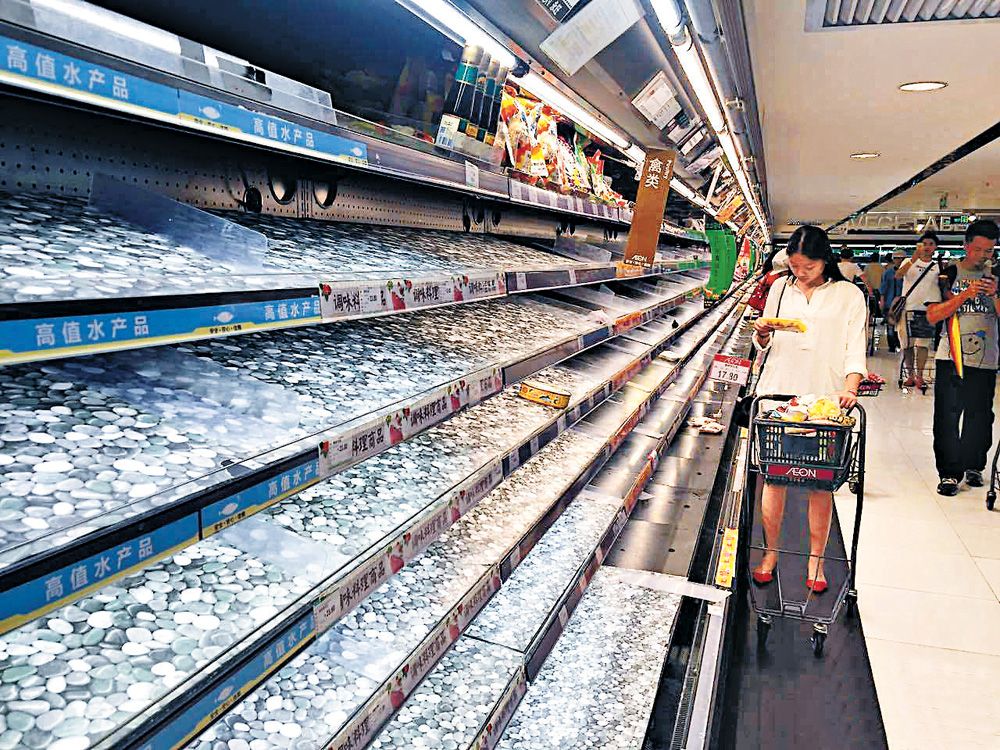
[(866, 155), (922, 86)]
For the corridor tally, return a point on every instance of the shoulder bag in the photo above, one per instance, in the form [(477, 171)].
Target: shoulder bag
[(898, 306)]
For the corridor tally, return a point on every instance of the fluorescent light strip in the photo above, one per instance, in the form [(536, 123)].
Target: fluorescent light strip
[(468, 30), (698, 78), (541, 88)]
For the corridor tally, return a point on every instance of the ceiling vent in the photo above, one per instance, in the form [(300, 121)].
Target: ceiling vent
[(829, 14)]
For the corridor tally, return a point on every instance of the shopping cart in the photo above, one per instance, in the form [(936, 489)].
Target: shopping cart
[(816, 457), (917, 327)]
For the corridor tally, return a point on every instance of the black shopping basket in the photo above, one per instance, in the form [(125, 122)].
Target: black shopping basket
[(791, 453)]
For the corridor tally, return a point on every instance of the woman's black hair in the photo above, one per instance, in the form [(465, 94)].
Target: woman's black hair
[(930, 235), (814, 243)]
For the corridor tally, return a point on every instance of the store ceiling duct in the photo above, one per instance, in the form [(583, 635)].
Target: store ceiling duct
[(827, 14)]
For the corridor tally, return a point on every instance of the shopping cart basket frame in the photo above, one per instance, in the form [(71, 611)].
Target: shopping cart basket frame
[(849, 468)]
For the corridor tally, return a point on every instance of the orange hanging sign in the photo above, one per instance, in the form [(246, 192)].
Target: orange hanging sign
[(650, 202)]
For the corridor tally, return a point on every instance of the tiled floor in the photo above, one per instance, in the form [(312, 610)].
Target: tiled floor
[(928, 583)]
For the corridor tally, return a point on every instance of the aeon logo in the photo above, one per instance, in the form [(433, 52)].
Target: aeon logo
[(799, 472)]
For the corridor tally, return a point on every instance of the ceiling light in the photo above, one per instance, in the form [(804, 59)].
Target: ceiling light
[(923, 86), (464, 29), (866, 155), (535, 84), (698, 78)]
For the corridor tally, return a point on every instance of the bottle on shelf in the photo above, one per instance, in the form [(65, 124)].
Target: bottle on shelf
[(471, 124), (461, 95), (486, 108), (491, 116)]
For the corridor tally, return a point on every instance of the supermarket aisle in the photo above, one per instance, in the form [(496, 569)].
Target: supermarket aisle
[(928, 583)]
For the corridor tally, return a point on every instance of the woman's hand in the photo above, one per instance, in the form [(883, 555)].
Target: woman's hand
[(764, 330), (848, 399)]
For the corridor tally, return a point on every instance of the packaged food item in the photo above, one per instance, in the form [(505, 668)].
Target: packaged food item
[(785, 324)]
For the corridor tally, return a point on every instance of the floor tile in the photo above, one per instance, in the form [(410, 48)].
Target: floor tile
[(980, 540), (936, 698), (938, 620), (912, 568), (990, 569)]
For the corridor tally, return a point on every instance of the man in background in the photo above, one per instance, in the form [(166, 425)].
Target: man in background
[(967, 397), (850, 269), (873, 280), (890, 288), (920, 286)]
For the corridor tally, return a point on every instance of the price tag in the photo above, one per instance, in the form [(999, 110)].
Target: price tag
[(428, 292), (563, 617), (516, 190), (730, 369), (515, 459), (347, 299), (522, 281), (471, 175), (359, 444), (533, 444)]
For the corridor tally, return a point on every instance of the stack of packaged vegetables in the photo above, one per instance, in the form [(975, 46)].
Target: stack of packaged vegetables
[(540, 157)]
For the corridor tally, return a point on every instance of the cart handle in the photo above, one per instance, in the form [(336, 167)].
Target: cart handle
[(755, 407)]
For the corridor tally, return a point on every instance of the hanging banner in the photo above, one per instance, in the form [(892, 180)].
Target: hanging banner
[(729, 209), (650, 202)]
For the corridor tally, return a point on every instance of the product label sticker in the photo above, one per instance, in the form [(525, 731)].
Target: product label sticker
[(230, 510), (471, 175), (727, 559), (270, 130), (28, 340), (345, 595), (341, 299), (359, 443), (484, 384), (476, 286), (478, 486), (35, 598), (213, 704), (428, 292)]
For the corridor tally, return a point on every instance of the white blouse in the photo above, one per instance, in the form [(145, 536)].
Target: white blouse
[(832, 347)]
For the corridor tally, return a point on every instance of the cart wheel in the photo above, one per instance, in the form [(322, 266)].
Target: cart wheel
[(991, 498), (763, 628), (818, 640), (853, 487), (851, 603)]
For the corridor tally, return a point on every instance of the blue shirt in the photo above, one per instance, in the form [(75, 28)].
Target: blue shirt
[(891, 287)]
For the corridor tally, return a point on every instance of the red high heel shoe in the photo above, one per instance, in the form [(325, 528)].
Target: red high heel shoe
[(763, 578), (818, 587)]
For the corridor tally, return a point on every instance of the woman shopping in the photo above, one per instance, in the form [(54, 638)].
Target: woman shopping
[(827, 359)]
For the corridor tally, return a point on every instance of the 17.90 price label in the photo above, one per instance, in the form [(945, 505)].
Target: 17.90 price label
[(732, 370)]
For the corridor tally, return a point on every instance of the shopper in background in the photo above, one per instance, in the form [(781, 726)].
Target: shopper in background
[(873, 280), (916, 347), (774, 268), (828, 358), (890, 288), (971, 295), (848, 268)]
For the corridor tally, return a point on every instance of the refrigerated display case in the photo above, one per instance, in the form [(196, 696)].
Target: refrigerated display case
[(259, 416)]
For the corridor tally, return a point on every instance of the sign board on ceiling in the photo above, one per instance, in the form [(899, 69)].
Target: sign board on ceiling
[(593, 28), (657, 102), (558, 9), (650, 201)]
